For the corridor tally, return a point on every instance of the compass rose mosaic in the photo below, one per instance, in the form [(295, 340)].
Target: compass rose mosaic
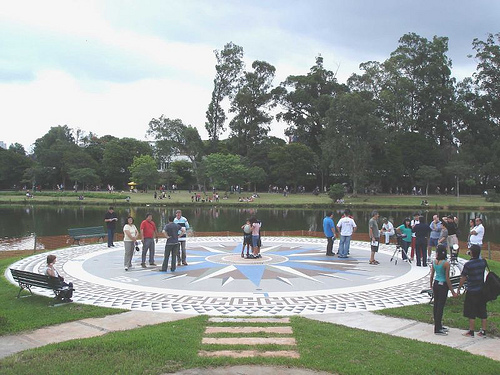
[(294, 276)]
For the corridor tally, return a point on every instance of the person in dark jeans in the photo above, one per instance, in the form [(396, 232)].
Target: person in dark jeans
[(421, 231), (110, 219), (171, 231), (440, 284), (475, 303)]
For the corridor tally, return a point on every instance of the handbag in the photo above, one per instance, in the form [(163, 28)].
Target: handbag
[(491, 288)]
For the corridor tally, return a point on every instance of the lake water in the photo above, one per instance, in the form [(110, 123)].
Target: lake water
[(23, 222)]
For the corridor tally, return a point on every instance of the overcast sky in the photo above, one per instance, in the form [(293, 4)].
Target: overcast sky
[(108, 67)]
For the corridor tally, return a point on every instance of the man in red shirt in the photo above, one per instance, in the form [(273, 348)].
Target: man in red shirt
[(149, 234)]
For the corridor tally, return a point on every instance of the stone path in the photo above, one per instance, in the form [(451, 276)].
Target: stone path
[(242, 335)]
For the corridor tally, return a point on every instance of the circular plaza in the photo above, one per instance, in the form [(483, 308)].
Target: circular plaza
[(293, 277)]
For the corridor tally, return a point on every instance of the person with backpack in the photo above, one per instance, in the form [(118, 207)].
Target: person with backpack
[(475, 303)]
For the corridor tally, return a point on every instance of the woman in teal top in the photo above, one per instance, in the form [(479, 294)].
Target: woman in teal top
[(440, 284), (405, 231)]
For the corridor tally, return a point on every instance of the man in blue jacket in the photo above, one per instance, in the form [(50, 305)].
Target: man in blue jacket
[(329, 230)]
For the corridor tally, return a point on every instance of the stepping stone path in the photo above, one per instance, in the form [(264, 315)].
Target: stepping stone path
[(244, 334)]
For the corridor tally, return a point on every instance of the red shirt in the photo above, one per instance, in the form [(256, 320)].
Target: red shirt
[(148, 228)]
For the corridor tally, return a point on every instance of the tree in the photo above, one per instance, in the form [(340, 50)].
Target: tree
[(53, 151), (305, 100), (426, 69), (224, 170), (353, 129), (427, 174), (17, 148), (174, 138), (487, 75), (143, 171), (13, 166), (228, 70), (251, 104), (254, 175), (292, 164), (183, 170), (87, 176), (336, 192), (118, 156)]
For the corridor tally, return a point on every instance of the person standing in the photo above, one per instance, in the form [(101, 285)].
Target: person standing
[(474, 304), (451, 224), (374, 236), (477, 233), (183, 222), (414, 222), (149, 234), (440, 284), (110, 219), (346, 226), (247, 238), (329, 230), (171, 231), (255, 225), (130, 235), (405, 240), (435, 226), (421, 231)]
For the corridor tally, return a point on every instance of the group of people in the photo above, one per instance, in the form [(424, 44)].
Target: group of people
[(473, 276), (423, 239), (251, 238), (149, 234), (345, 227)]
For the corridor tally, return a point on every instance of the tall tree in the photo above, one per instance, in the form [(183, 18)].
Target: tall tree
[(53, 151), (251, 106), (13, 166), (174, 138), (118, 156), (305, 100), (228, 70), (353, 130), (487, 75)]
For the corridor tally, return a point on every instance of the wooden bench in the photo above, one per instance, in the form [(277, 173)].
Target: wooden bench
[(89, 232), (27, 280), (455, 282)]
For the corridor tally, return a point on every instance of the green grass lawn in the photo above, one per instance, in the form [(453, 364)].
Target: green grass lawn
[(453, 311), (265, 199), (173, 346), (32, 312)]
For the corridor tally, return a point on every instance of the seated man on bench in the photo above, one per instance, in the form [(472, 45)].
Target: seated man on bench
[(50, 270)]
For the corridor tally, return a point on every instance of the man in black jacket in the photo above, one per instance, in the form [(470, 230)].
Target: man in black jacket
[(421, 231)]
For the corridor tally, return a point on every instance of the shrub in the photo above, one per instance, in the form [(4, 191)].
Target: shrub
[(336, 191)]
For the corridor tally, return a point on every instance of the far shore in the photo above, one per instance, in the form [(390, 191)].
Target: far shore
[(270, 200)]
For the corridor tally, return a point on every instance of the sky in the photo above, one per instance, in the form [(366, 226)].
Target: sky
[(109, 67)]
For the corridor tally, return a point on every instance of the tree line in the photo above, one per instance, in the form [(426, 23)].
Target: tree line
[(401, 123)]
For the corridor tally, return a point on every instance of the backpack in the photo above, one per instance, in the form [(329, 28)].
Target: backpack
[(491, 288)]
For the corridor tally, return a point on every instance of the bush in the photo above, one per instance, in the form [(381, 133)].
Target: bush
[(492, 196), (336, 192)]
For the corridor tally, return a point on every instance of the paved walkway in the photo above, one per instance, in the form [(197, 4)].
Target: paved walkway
[(133, 319)]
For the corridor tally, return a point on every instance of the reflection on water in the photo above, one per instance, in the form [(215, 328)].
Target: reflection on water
[(23, 243), (20, 223)]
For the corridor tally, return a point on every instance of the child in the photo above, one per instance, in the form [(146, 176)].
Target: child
[(247, 238)]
